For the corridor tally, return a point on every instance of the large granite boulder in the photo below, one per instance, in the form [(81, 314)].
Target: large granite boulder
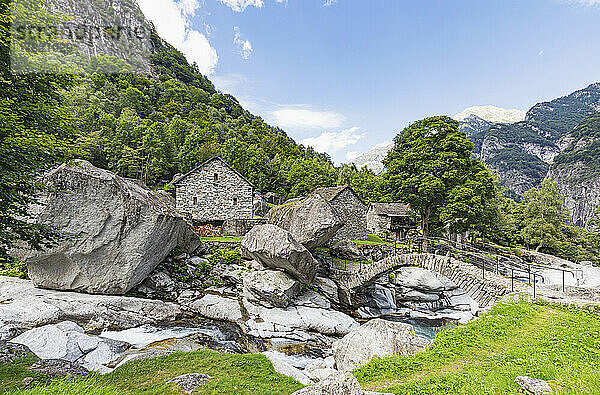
[(276, 248), (271, 288), (116, 231), (312, 221), (376, 339), (346, 249)]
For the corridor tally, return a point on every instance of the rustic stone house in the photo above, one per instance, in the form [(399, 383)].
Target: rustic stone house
[(350, 208), (390, 219), (213, 193)]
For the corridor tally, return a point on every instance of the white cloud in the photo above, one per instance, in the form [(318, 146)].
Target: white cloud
[(244, 46), (332, 142), (586, 2), (228, 82), (303, 118), (172, 21), (241, 5), (329, 3), (351, 155)]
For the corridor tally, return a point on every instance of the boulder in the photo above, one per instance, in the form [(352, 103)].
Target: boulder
[(422, 280), (533, 386), (321, 374), (346, 249), (276, 248), (58, 368), (376, 339), (217, 308), (285, 368), (22, 306), (298, 323), (270, 288), (53, 342), (189, 382), (340, 383), (116, 231), (311, 221)]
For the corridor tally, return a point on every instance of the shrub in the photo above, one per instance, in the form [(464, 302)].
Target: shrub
[(13, 268), (224, 256)]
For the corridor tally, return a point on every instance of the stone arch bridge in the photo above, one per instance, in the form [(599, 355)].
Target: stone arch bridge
[(467, 276)]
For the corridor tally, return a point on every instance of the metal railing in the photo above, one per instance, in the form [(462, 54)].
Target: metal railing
[(487, 257)]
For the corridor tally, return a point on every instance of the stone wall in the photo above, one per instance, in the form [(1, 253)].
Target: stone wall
[(377, 224), (228, 196), (353, 212)]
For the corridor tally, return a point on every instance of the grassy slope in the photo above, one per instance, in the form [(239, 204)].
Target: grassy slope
[(557, 344), (232, 374), (484, 357)]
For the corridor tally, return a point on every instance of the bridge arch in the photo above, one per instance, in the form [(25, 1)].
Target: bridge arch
[(467, 276)]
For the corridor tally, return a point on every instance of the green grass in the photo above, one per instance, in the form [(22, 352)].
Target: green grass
[(232, 374), (372, 240), (222, 238), (557, 344)]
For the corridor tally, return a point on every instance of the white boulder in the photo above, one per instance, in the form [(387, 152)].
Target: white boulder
[(375, 339)]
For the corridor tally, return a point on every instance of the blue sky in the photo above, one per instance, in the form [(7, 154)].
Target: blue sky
[(347, 75)]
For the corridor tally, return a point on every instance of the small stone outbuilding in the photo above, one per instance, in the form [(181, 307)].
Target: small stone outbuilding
[(214, 192), (390, 219), (350, 208)]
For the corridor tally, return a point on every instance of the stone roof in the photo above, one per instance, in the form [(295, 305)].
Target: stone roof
[(391, 209), (207, 162), (330, 193)]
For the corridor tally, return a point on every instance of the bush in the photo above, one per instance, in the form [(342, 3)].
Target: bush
[(13, 268), (224, 256)]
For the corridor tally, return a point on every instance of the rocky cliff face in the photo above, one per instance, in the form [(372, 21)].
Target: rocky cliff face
[(523, 152), (577, 169), (115, 28)]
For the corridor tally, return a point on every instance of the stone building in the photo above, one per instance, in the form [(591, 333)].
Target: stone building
[(390, 219), (350, 208), (213, 193)]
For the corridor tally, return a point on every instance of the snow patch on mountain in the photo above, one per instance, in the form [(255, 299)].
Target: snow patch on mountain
[(492, 114)]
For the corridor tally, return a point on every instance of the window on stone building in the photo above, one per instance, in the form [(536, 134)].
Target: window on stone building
[(235, 201), (195, 201), (216, 177)]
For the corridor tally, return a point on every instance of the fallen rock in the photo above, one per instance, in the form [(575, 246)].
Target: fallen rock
[(533, 386), (58, 368), (341, 383), (376, 339), (286, 369), (53, 342), (312, 221), (22, 307), (116, 231), (276, 248), (299, 323), (346, 249), (422, 280), (217, 308), (189, 382), (271, 288), (12, 351), (317, 375)]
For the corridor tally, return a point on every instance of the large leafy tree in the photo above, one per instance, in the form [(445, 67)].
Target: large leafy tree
[(430, 167), (547, 221), (34, 133)]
